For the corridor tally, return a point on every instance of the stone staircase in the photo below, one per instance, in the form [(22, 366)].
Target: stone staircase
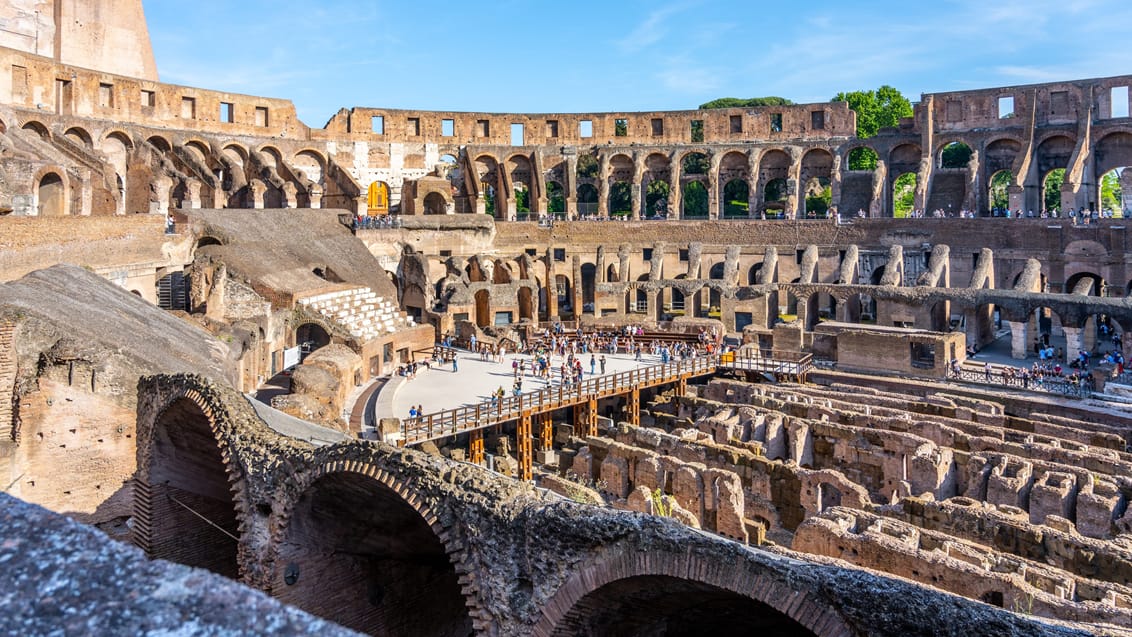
[(949, 188), (8, 380), (363, 313)]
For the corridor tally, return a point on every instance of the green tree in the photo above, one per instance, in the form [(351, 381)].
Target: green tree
[(555, 199), (1111, 196), (738, 102), (587, 166), (955, 155), (1000, 189), (863, 158), (903, 195), (656, 196), (522, 198), (877, 109), (1052, 189), (621, 199), (695, 200)]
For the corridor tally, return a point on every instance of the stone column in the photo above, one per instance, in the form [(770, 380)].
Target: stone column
[(570, 186), (576, 285), (290, 195), (713, 187), (1089, 337), (603, 187), (753, 198), (1073, 342), (316, 196), (638, 188), (192, 192), (551, 287), (674, 194), (599, 265), (1018, 343)]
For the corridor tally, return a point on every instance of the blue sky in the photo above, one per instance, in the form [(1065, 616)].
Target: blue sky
[(631, 55)]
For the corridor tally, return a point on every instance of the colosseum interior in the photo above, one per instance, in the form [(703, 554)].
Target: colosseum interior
[(847, 423)]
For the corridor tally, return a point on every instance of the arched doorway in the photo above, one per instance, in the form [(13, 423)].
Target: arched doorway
[(665, 605), (190, 514), (555, 198), (483, 308), (52, 196), (356, 553), (435, 204), (377, 199), (774, 199), (736, 199), (656, 199), (311, 337), (587, 199), (695, 200)]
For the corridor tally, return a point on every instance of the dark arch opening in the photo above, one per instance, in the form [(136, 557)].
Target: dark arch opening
[(663, 605), (207, 241), (356, 553), (189, 485), (310, 337)]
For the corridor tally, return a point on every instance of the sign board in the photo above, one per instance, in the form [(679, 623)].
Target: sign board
[(290, 357)]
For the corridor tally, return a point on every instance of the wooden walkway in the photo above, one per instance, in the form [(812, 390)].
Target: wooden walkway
[(473, 418)]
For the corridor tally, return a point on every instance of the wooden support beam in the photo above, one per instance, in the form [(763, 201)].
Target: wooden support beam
[(635, 407), (546, 431), (475, 446), (591, 417), (523, 442)]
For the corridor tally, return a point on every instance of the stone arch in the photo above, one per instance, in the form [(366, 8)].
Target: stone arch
[(37, 127), (401, 571), (435, 204), (312, 163), (52, 192), (160, 142), (236, 153), (1113, 151), (695, 162), (953, 154), (187, 469), (623, 573), (861, 157), (312, 336), (483, 308), (80, 136), (199, 148)]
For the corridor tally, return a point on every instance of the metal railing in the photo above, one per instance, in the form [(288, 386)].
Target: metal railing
[(1072, 386), (491, 412)]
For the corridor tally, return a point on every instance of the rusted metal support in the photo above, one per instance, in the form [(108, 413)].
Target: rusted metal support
[(546, 431), (523, 443), (475, 446)]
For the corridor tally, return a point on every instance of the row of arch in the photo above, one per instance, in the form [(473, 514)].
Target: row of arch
[(358, 546)]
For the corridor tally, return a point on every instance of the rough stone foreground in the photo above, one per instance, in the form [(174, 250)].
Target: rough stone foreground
[(64, 578)]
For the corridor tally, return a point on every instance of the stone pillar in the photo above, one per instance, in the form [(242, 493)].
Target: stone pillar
[(315, 196), (551, 287), (290, 195), (713, 187), (192, 192), (1073, 343), (570, 185), (753, 198), (638, 194), (675, 203), (1089, 336), (603, 187), (599, 266), (257, 189), (1018, 343), (576, 285)]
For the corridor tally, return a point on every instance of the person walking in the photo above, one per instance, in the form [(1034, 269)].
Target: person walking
[(593, 365), (602, 361), (454, 368)]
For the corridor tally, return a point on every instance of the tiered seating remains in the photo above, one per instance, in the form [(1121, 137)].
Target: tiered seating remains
[(361, 311)]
